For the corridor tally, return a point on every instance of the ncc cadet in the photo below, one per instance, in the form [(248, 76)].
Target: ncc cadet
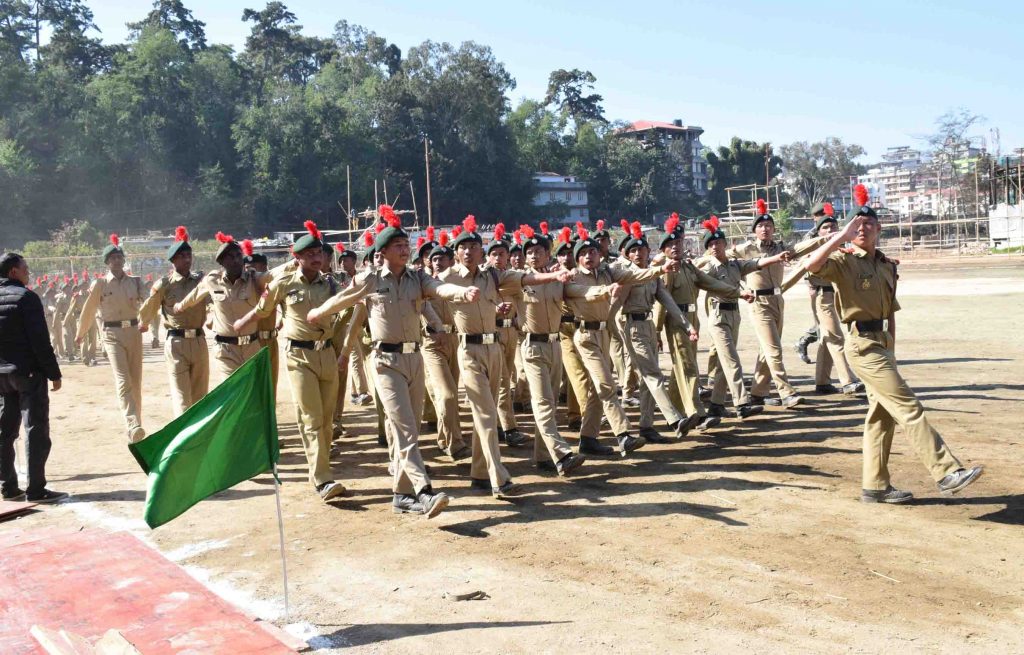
[(266, 328), (395, 294), (684, 287), (641, 341), (724, 319), (865, 283), (117, 297), (579, 388), (508, 336), (74, 310), (309, 355), (61, 303), (155, 332), (480, 353), (232, 292), (353, 350), (517, 262), (591, 290), (441, 361), (625, 370), (826, 317), (542, 359), (767, 310), (88, 349), (188, 359)]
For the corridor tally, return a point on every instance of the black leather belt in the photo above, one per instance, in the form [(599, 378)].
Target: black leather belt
[(727, 306), (310, 345), (185, 334), (876, 325), (826, 288), (768, 292), (544, 338), (686, 307), (640, 317), (235, 341), (445, 329), (400, 347), (594, 325), (506, 322), (568, 318), (483, 339), (121, 324)]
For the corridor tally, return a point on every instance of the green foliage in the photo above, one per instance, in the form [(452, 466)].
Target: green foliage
[(783, 222), (815, 172), (742, 162)]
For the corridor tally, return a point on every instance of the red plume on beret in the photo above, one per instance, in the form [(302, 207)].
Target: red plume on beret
[(469, 223), (636, 230), (711, 225), (379, 227), (565, 236), (860, 195), (518, 236), (430, 233), (75, 278), (625, 225), (180, 233), (762, 207), (829, 209), (226, 238), (116, 240), (419, 242), (368, 238), (499, 231), (247, 247), (456, 231), (98, 275), (388, 215), (582, 231), (544, 228), (528, 232), (149, 277), (340, 247), (313, 229), (672, 223), (443, 239), (66, 279), (600, 224)]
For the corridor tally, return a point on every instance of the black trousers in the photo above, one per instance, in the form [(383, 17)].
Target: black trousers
[(24, 399)]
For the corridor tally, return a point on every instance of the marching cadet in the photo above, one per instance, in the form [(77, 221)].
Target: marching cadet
[(47, 298), (155, 332), (684, 286), (826, 318), (309, 356), (441, 361), (266, 328), (521, 390), (579, 389), (75, 309), (353, 348), (61, 303), (188, 360), (508, 335), (768, 307), (231, 292), (865, 283), (395, 295), (593, 285), (625, 370), (724, 317), (117, 297), (641, 340), (542, 360), (480, 353)]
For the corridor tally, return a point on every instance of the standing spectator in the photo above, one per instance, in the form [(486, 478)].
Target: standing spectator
[(27, 361)]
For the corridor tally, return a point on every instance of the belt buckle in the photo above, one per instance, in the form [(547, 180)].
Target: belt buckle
[(409, 347), (553, 337), (689, 308), (319, 345), (190, 334), (487, 339), (602, 325), (265, 335), (445, 329), (126, 324), (244, 341), (777, 291)]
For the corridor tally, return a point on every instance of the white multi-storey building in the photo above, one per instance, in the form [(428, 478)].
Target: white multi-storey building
[(566, 193)]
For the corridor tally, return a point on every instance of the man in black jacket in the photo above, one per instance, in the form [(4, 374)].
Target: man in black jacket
[(27, 361)]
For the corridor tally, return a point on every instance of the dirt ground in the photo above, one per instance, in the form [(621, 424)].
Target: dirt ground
[(750, 538)]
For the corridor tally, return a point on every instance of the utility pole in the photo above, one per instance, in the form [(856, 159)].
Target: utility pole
[(426, 159)]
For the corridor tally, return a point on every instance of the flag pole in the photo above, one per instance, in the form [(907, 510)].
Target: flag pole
[(280, 531)]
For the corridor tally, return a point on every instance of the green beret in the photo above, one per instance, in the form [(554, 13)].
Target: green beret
[(426, 250), (256, 258), (711, 236), (305, 242), (582, 245), (386, 235), (758, 219), (518, 247), (563, 245), (347, 253), (494, 245), (623, 241), (818, 209), (438, 249), (327, 248), (537, 240), (637, 243), (825, 219), (465, 236), (225, 247), (177, 247), (669, 237), (368, 254), (112, 247), (864, 211)]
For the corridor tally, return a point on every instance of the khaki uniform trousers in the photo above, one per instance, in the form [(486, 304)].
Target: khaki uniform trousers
[(830, 348), (275, 359), (521, 388), (593, 349), (766, 315), (70, 329), (685, 371), (89, 346), (399, 381), (356, 372), (57, 335), (230, 356), (481, 365), (724, 327), (188, 367), (542, 366), (313, 376), (892, 402), (509, 338), (124, 350), (441, 360), (712, 365), (581, 391), (642, 347), (625, 371)]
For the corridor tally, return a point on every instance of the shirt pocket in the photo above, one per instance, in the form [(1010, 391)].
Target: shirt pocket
[(295, 297)]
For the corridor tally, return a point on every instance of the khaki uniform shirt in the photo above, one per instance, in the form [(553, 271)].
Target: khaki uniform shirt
[(770, 277), (543, 305), (865, 285), (597, 305), (296, 296), (639, 299), (167, 291), (230, 301), (394, 303), (480, 317), (114, 299)]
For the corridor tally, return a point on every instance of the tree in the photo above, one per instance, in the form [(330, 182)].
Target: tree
[(173, 16), (539, 137), (566, 90), (950, 147), (815, 172), (743, 162)]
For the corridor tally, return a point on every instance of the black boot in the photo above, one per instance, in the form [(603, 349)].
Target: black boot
[(590, 446), (628, 444)]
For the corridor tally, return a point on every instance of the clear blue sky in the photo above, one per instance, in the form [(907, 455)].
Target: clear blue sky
[(873, 73)]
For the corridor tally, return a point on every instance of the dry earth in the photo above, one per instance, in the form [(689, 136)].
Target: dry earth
[(748, 539)]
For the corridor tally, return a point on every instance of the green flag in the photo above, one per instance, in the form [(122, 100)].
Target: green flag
[(225, 438)]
